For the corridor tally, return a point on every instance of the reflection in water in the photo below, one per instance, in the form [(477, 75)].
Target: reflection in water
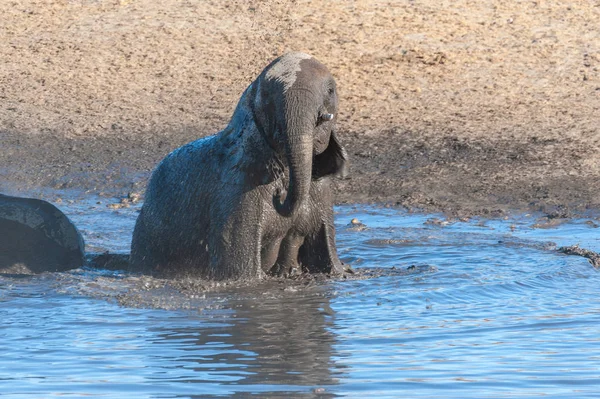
[(264, 341), (275, 340)]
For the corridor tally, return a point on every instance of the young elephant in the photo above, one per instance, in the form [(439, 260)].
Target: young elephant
[(37, 237), (254, 198)]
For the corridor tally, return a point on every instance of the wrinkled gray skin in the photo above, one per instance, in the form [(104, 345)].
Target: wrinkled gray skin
[(255, 198), (37, 237)]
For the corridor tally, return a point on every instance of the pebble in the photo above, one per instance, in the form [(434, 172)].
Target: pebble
[(356, 225)]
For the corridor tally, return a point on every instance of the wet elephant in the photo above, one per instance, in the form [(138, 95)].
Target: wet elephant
[(37, 237), (255, 198)]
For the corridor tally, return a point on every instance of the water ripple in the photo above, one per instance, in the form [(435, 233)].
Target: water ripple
[(437, 309)]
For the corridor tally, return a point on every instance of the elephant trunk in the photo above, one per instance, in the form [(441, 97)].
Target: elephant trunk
[(298, 142)]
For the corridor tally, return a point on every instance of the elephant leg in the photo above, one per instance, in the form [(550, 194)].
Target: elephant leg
[(234, 242), (287, 261), (269, 255), (318, 254)]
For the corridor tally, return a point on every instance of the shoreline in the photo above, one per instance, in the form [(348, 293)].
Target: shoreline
[(447, 175)]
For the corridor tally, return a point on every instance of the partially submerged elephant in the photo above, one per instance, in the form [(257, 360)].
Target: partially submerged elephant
[(255, 198), (36, 237)]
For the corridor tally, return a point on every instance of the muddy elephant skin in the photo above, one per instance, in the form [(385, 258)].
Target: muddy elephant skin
[(37, 237), (255, 198)]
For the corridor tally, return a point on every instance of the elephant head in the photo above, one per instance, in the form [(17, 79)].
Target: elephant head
[(294, 104)]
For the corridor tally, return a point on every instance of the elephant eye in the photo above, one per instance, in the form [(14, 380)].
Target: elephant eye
[(331, 90)]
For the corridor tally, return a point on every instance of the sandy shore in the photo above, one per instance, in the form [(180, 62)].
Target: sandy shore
[(457, 106)]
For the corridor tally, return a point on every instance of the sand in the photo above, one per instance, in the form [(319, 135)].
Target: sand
[(465, 107)]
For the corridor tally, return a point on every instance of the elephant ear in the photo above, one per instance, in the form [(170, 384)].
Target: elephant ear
[(332, 161), (262, 111)]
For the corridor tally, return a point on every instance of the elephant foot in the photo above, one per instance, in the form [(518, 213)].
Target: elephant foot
[(285, 272), (337, 269), (340, 269)]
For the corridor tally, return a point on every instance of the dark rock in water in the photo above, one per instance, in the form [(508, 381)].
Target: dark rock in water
[(36, 237), (592, 256)]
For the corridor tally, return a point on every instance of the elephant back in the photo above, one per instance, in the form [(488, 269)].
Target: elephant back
[(37, 237)]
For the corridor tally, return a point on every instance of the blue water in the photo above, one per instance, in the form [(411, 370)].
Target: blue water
[(477, 309)]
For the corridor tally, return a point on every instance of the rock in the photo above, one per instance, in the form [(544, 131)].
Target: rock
[(134, 198), (592, 256), (356, 225), (436, 222), (36, 237)]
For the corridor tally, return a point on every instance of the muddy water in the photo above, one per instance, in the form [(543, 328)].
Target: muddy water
[(483, 308)]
